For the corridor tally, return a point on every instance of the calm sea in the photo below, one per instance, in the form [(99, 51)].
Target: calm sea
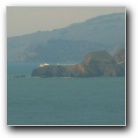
[(64, 101)]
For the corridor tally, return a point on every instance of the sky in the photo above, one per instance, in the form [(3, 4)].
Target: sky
[(25, 20)]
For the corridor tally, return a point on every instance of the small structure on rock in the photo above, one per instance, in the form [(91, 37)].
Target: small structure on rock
[(43, 64)]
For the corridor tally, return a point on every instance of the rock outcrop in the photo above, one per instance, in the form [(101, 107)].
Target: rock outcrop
[(99, 63)]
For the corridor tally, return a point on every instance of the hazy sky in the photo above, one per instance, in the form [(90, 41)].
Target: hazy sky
[(24, 20)]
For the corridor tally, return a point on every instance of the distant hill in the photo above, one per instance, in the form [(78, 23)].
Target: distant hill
[(70, 44)]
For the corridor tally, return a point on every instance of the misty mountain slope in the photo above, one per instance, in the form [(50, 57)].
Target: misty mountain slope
[(69, 44), (70, 51)]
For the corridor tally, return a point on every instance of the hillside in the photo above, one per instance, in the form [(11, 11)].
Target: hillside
[(70, 44)]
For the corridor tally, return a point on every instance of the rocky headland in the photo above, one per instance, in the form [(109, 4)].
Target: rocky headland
[(99, 63)]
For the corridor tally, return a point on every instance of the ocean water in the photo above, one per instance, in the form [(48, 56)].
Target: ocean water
[(65, 101)]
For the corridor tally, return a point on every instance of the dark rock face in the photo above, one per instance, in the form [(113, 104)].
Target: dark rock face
[(103, 64), (119, 55), (95, 64)]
